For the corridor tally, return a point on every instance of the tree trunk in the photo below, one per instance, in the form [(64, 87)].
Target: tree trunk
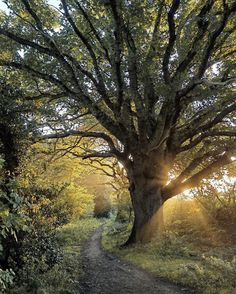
[(147, 178)]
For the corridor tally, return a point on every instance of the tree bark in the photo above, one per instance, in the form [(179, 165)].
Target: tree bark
[(147, 178)]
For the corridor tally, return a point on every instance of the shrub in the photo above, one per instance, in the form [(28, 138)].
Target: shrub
[(76, 202), (171, 244), (38, 247), (6, 279), (211, 274)]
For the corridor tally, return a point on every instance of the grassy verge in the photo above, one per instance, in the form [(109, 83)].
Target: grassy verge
[(64, 277), (208, 270)]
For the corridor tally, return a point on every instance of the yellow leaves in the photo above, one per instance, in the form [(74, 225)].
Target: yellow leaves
[(35, 208), (6, 55), (45, 201), (4, 213), (23, 14), (37, 204), (78, 201), (24, 183), (38, 103), (100, 13), (78, 54)]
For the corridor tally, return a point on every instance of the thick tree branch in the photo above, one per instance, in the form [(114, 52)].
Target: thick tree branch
[(85, 41), (60, 56), (134, 87), (115, 6), (172, 38), (195, 180), (49, 96), (33, 14), (150, 96), (84, 134), (204, 130), (41, 75), (202, 29), (27, 42), (195, 163), (207, 51), (213, 38), (152, 48), (55, 51), (86, 16), (79, 133), (98, 155), (205, 135)]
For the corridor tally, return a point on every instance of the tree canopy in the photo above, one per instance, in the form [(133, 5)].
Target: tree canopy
[(157, 76)]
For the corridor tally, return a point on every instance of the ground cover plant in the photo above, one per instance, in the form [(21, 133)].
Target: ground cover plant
[(202, 257)]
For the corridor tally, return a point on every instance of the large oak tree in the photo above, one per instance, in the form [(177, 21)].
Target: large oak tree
[(157, 75)]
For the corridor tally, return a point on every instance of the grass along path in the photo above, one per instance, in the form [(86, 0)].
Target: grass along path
[(209, 270)]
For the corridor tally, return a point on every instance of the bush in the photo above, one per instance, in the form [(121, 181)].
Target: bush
[(103, 205), (6, 279), (12, 221), (173, 256), (212, 274), (76, 202), (64, 276), (38, 247), (171, 244)]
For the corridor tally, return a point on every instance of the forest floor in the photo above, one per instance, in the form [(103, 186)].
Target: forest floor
[(106, 274)]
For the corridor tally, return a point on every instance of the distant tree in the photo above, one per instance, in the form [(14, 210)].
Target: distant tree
[(116, 177), (48, 169), (159, 76)]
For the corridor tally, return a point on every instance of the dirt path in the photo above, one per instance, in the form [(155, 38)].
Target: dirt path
[(105, 274)]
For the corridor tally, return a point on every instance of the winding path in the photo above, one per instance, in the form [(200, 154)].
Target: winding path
[(105, 274)]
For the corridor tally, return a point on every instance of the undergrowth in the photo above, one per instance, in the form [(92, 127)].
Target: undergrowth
[(210, 270), (64, 276)]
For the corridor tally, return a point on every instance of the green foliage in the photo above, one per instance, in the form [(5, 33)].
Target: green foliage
[(218, 198), (64, 276), (76, 202), (64, 175), (172, 245), (36, 202), (38, 248), (124, 208), (173, 256), (6, 279), (212, 274), (43, 202), (115, 234), (32, 219), (12, 220), (190, 220), (103, 206)]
